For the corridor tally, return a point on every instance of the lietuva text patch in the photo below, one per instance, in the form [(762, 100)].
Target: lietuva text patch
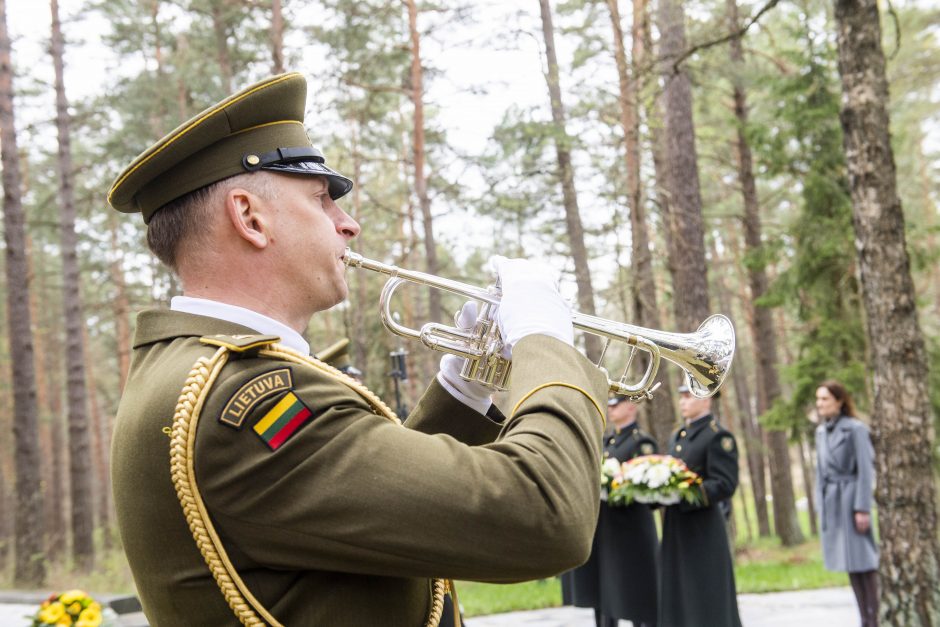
[(252, 393), (282, 421)]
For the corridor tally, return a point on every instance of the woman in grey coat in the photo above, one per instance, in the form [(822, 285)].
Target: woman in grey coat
[(845, 476)]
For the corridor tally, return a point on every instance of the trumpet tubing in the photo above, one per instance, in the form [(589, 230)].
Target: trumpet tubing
[(705, 356)]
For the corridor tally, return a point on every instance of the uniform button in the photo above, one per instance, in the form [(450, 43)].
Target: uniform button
[(678, 447), (611, 441), (682, 433)]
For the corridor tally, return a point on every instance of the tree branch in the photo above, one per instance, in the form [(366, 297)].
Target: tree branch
[(734, 35)]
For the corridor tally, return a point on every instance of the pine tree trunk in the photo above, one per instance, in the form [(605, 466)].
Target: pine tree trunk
[(765, 340), (690, 286), (418, 154), (120, 305), (29, 567), (220, 29), (750, 428), (573, 224), (277, 38), (662, 416), (806, 468), (80, 468), (6, 528), (101, 439), (754, 445), (901, 414)]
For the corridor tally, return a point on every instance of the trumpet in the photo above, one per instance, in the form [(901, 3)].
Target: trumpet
[(704, 356)]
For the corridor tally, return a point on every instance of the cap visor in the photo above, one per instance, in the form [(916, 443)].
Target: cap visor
[(339, 185)]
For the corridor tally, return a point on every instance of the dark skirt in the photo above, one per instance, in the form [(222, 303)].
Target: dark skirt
[(620, 577), (697, 571)]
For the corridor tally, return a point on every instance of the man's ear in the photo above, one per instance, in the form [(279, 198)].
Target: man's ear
[(244, 211)]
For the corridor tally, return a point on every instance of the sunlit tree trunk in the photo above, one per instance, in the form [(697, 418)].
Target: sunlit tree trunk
[(765, 340), (120, 305), (80, 467), (662, 414), (219, 27), (277, 37), (29, 567), (902, 420), (573, 224), (689, 272), (418, 155)]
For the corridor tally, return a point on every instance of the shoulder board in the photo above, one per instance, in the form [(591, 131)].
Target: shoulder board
[(714, 425), (240, 343)]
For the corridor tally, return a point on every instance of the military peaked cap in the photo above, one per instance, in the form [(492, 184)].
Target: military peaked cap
[(259, 128)]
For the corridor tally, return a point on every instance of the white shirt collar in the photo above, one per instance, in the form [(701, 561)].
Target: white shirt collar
[(240, 315)]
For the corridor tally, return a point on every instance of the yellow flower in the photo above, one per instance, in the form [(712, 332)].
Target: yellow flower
[(91, 615), (75, 608), (71, 596), (65, 621), (52, 613)]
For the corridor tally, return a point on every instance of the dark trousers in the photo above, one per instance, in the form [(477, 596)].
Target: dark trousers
[(865, 586)]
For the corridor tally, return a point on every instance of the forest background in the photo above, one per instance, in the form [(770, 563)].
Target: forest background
[(670, 159)]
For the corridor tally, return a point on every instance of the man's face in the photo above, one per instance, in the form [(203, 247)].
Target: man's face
[(622, 414), (692, 408), (309, 237)]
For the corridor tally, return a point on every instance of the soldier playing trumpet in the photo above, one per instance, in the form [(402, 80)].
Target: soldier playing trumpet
[(287, 493)]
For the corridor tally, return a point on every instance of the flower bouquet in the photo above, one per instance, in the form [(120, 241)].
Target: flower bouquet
[(653, 479), (73, 607)]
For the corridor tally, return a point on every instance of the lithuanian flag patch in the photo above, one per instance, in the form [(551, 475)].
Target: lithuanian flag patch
[(282, 421)]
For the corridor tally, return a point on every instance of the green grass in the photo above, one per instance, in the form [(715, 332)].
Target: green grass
[(765, 566), (480, 599)]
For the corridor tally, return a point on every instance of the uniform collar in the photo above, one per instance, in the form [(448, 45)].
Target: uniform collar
[(259, 323), (630, 428), (157, 325), (831, 424), (694, 427)]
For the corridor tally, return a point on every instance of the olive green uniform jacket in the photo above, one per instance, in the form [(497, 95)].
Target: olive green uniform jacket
[(347, 520)]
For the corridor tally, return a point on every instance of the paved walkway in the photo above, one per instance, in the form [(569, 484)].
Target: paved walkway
[(829, 607)]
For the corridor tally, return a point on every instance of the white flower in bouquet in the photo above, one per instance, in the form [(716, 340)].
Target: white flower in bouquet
[(611, 467), (636, 473), (658, 476)]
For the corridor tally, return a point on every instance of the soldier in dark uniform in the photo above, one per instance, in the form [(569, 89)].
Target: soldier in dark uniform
[(620, 578), (697, 570), (256, 484)]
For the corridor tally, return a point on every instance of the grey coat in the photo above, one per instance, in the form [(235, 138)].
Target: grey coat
[(845, 476)]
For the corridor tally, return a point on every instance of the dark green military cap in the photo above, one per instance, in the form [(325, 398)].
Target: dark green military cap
[(337, 355), (259, 128)]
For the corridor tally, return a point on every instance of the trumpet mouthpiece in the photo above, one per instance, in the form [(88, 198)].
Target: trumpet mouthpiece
[(352, 259)]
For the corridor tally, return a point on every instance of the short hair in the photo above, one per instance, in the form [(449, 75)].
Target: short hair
[(838, 391), (184, 220)]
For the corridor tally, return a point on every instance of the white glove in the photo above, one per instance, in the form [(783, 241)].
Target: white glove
[(474, 395), (530, 303)]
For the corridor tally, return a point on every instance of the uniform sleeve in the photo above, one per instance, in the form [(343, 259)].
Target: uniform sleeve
[(865, 461), (351, 491), (721, 471), (439, 412)]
